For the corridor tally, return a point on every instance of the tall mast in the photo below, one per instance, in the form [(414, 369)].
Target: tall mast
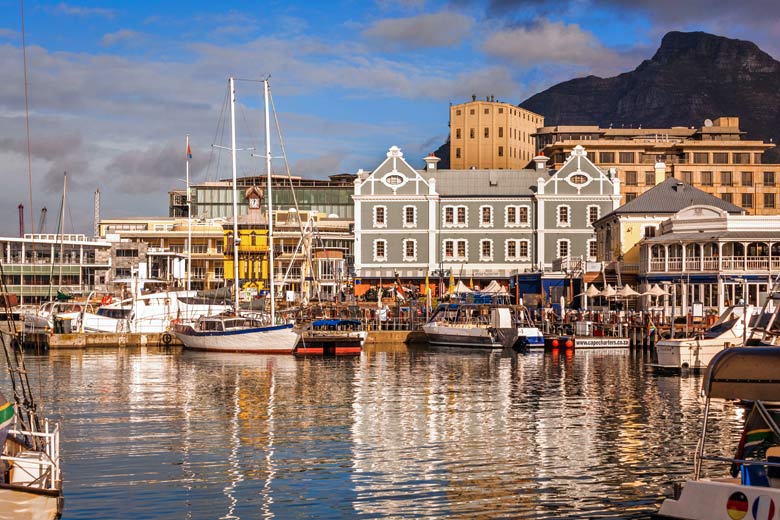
[(236, 240), (270, 205), (189, 215), (62, 223)]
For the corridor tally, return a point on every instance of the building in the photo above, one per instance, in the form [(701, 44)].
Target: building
[(211, 200), (37, 266), (710, 256), (619, 233), (479, 225), (714, 158), (491, 135)]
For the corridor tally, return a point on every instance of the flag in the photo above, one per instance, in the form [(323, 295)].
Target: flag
[(650, 329), (399, 289), (755, 435), (189, 152), (471, 282), (451, 289), (427, 293), (6, 418)]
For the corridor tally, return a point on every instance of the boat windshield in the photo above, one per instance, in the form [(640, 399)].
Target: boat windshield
[(114, 312), (720, 328)]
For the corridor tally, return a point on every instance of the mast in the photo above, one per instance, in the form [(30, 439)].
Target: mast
[(236, 240), (189, 216), (62, 223), (270, 205)]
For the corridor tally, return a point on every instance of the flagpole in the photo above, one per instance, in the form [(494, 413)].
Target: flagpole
[(189, 216)]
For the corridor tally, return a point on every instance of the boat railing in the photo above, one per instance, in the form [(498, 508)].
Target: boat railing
[(43, 472)]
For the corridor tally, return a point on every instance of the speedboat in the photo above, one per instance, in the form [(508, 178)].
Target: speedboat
[(696, 352), (747, 484), (41, 319), (528, 335), (476, 323)]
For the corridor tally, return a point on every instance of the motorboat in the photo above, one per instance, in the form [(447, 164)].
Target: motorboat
[(336, 337), (528, 334), (41, 318), (237, 333), (475, 322), (747, 484), (697, 351)]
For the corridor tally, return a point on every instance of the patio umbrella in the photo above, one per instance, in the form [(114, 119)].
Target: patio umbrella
[(608, 291), (626, 292)]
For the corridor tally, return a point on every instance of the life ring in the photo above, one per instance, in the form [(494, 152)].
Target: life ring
[(166, 338), (107, 299)]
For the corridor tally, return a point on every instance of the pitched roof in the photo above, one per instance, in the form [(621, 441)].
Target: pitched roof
[(671, 196), (474, 183)]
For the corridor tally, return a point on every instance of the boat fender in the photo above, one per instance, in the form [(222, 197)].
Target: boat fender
[(166, 338)]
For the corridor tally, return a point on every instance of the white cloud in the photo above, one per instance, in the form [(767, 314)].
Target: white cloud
[(442, 29), (75, 10), (121, 36)]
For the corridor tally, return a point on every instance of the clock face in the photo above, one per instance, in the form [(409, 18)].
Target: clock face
[(254, 203)]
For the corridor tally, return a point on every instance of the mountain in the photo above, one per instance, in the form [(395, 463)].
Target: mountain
[(692, 77)]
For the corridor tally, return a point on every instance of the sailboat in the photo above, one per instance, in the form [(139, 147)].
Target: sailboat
[(236, 332)]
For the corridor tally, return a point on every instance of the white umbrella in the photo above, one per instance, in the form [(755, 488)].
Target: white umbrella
[(608, 291), (626, 292), (462, 288)]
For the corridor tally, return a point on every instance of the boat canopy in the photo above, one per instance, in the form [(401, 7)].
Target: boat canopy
[(749, 373), (334, 323)]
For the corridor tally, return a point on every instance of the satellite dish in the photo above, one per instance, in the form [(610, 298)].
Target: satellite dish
[(708, 123)]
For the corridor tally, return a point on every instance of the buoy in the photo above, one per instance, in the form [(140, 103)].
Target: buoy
[(166, 338), (555, 343), (569, 343)]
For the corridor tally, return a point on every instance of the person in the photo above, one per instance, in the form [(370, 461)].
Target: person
[(383, 311)]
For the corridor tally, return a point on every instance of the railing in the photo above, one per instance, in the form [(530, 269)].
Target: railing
[(713, 263), (43, 471)]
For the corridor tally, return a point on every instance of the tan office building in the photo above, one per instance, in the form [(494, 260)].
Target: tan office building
[(713, 158), (490, 134)]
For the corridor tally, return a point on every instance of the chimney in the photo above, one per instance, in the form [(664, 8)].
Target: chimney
[(541, 161), (430, 162), (660, 172)]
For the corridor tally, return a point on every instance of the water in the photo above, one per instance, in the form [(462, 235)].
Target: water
[(164, 433)]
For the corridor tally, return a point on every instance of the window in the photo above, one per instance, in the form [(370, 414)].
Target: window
[(564, 216), (631, 179), (410, 216), (457, 153), (500, 110), (593, 249), (461, 249), (500, 130), (410, 250), (457, 133), (687, 177), (487, 132), (455, 216), (741, 158), (747, 178), (726, 179), (650, 178), (471, 133), (511, 215), (500, 151), (126, 253), (449, 215), (457, 112), (517, 216), (591, 157), (523, 249), (517, 250), (630, 195), (461, 215), (380, 250), (563, 248), (706, 179), (472, 111), (487, 110), (626, 157), (728, 197), (720, 157), (606, 157), (701, 157), (648, 232), (769, 200), (769, 178), (511, 249), (747, 200), (485, 250), (486, 216), (455, 249), (380, 216), (593, 214)]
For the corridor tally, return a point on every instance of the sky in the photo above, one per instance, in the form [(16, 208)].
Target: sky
[(114, 88)]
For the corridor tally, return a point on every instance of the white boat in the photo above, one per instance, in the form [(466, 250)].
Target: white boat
[(528, 334), (243, 333), (747, 484), (41, 319), (473, 325), (696, 352)]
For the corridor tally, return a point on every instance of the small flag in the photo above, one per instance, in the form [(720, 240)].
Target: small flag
[(650, 329), (189, 152)]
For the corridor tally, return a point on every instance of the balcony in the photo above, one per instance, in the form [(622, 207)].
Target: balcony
[(710, 264)]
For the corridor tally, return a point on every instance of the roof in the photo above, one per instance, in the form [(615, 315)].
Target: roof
[(671, 196), (477, 183), (714, 235)]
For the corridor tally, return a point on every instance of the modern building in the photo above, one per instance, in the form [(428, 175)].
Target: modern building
[(214, 199), (709, 256), (479, 225), (714, 158), (491, 135)]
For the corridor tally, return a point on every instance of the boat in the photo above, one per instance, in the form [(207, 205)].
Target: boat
[(254, 333), (41, 319), (747, 484), (528, 334), (477, 321), (334, 337), (696, 352)]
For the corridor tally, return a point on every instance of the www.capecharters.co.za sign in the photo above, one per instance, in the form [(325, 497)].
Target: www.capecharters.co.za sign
[(600, 342)]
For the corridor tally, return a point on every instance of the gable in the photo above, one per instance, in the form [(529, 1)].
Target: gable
[(394, 177), (579, 176)]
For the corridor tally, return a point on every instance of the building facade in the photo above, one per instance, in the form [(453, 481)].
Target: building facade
[(479, 225), (491, 134), (714, 158)]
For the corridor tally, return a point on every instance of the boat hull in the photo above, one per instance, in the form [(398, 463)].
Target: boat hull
[(462, 336), (334, 343), (24, 503), (279, 339), (690, 354), (708, 499)]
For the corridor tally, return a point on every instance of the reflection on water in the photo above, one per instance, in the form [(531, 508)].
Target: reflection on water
[(162, 433)]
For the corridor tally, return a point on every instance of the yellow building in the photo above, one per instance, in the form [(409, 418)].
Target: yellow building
[(491, 135), (713, 158), (252, 244)]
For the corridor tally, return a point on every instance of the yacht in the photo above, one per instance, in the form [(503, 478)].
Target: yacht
[(479, 321)]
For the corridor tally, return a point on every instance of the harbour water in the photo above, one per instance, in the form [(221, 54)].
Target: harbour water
[(164, 433)]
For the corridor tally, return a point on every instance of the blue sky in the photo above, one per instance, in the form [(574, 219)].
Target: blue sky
[(115, 86)]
